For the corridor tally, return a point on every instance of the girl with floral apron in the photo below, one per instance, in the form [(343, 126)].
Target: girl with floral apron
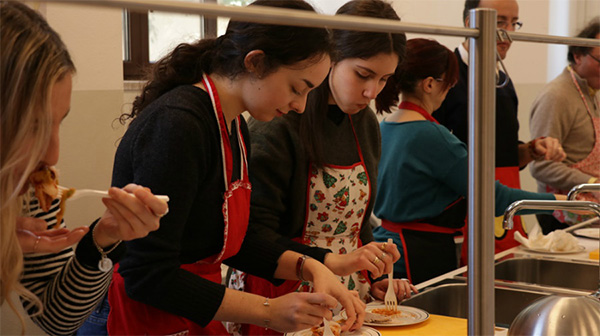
[(336, 198), (590, 165), (130, 317)]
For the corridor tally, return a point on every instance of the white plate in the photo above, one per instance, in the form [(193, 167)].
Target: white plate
[(408, 316), (579, 249), (363, 331), (593, 233)]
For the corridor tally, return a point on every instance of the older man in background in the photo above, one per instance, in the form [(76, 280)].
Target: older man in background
[(567, 109), (511, 154)]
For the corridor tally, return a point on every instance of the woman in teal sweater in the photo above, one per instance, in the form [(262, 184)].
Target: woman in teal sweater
[(423, 170)]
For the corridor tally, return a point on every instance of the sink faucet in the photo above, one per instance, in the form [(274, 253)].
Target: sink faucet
[(547, 205), (586, 187), (552, 205)]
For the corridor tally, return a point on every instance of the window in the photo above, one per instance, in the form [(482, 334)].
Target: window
[(149, 36)]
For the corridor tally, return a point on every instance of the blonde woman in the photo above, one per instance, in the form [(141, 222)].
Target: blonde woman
[(57, 285)]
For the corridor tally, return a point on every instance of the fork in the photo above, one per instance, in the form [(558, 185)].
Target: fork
[(327, 328), (391, 303), (78, 193)]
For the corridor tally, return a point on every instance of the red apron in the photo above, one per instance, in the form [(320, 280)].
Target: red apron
[(336, 202), (130, 317), (508, 176), (590, 165)]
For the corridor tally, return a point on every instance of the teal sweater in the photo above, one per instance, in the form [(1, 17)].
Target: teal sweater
[(423, 169)]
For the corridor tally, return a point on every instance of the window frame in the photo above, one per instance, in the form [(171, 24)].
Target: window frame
[(136, 35)]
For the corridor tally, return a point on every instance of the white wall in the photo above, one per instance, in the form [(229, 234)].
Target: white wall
[(93, 35)]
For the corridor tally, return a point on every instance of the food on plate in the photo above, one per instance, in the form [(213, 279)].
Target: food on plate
[(318, 331), (371, 317), (45, 183), (385, 312)]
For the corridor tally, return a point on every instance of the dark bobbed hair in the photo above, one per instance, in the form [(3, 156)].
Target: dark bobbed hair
[(469, 4), (427, 58), (352, 44), (590, 31), (282, 45)]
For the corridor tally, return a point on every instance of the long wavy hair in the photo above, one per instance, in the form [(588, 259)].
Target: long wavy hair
[(282, 45), (352, 44), (33, 58)]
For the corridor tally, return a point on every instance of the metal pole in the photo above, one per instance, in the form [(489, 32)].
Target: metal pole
[(308, 19), (283, 16), (578, 41), (482, 149)]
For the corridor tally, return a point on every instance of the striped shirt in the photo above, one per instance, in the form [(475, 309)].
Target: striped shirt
[(68, 288)]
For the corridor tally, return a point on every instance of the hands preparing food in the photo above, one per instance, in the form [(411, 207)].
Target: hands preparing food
[(325, 282), (377, 258)]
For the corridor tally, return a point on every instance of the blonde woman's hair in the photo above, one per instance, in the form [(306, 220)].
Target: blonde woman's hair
[(33, 58)]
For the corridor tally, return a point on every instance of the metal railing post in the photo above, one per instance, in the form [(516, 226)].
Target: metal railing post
[(482, 149)]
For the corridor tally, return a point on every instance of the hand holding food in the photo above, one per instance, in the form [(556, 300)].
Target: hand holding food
[(549, 148), (298, 311), (403, 288), (132, 213), (335, 328), (377, 258), (324, 281)]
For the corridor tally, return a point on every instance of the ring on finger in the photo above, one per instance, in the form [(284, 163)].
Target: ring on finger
[(35, 245), (383, 246), (376, 260), (383, 255)]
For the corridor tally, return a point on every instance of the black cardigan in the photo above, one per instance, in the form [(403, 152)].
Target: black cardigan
[(173, 148)]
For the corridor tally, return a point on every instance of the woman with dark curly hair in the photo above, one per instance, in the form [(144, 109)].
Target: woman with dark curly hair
[(188, 140)]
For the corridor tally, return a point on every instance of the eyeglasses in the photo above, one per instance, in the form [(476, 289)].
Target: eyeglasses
[(504, 24), (441, 80), (594, 58)]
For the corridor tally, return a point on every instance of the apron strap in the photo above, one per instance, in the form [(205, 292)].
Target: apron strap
[(416, 226), (226, 151)]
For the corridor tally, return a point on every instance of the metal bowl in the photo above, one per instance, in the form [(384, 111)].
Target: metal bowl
[(559, 315)]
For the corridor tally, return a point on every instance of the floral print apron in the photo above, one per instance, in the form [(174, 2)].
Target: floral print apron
[(336, 201)]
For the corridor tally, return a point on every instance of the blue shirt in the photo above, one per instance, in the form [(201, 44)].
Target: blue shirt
[(423, 169)]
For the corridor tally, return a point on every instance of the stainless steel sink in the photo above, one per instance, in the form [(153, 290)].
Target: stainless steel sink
[(452, 300), (572, 274)]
